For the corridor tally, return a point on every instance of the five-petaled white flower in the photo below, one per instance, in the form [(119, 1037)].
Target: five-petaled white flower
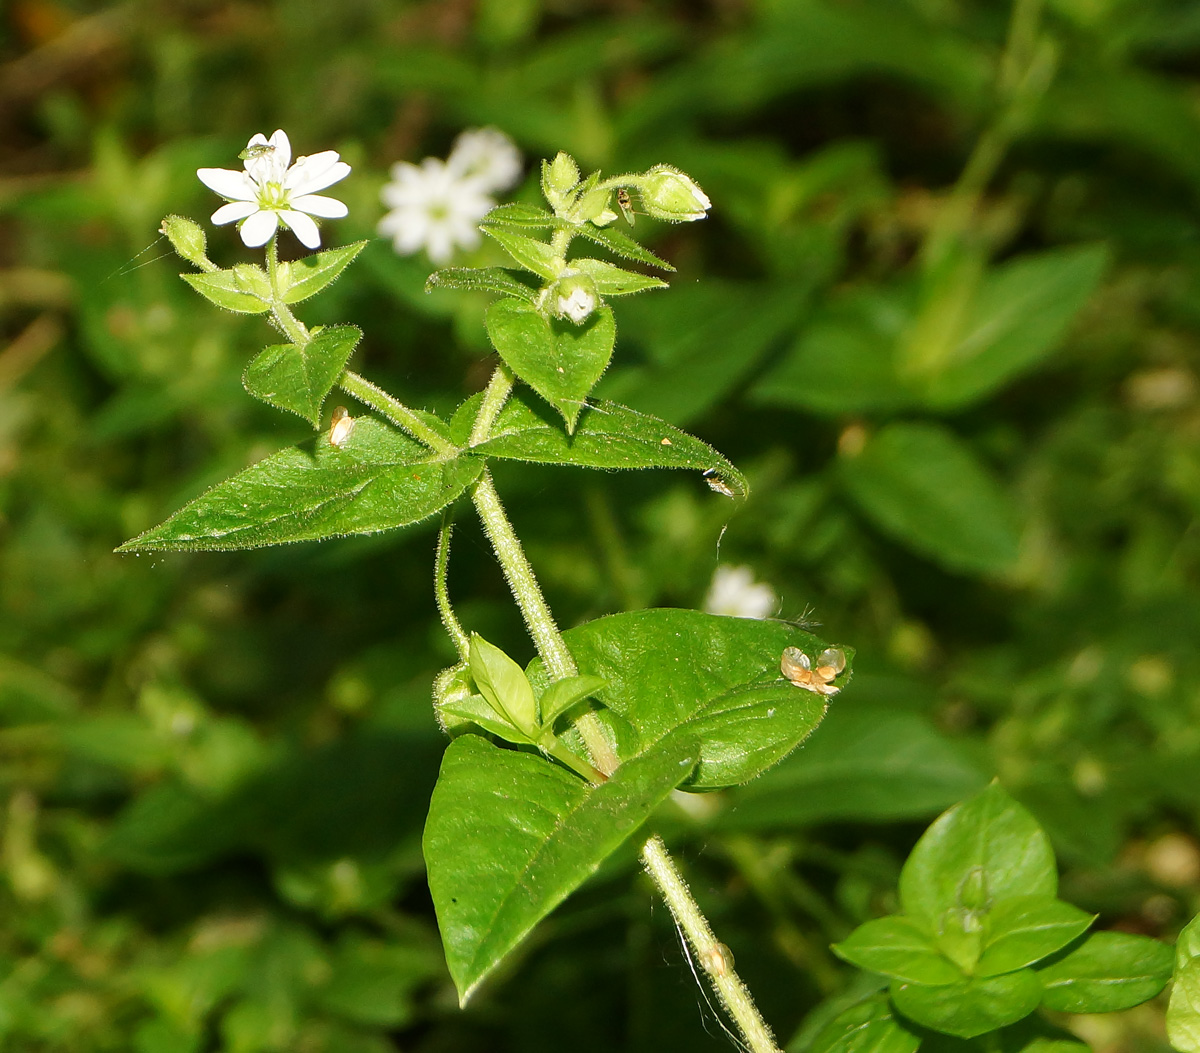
[(437, 205), (735, 593), (271, 189)]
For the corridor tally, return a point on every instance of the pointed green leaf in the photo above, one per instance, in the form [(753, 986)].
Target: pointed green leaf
[(608, 435), (1105, 973), (616, 281), (296, 378), (480, 279), (989, 841), (622, 245), (563, 694), (559, 360), (503, 683), (475, 709), (517, 214), (1027, 929), (868, 1027), (922, 485), (716, 679), (244, 288), (1183, 1012), (972, 1007), (895, 946), (377, 480), (307, 276), (529, 253), (510, 835)]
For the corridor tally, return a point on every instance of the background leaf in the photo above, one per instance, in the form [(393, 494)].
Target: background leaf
[(1106, 972), (1183, 1012), (972, 1007)]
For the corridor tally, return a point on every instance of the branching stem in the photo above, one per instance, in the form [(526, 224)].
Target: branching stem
[(395, 411), (441, 591)]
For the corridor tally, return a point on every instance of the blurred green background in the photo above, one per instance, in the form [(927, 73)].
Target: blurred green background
[(945, 313)]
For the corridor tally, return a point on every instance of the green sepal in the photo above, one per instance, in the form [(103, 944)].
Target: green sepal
[(307, 276), (244, 288), (503, 683), (480, 279), (298, 378), (615, 281), (533, 255), (559, 178), (559, 360)]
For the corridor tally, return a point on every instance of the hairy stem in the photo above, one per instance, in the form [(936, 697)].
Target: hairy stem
[(494, 398), (713, 957), (442, 591), (395, 411)]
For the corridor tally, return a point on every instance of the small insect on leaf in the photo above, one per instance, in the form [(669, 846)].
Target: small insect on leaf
[(716, 483), (625, 203), (340, 427), (798, 668)]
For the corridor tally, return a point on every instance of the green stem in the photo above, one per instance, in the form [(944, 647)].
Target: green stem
[(442, 592), (288, 323), (713, 957), (395, 411), (494, 398)]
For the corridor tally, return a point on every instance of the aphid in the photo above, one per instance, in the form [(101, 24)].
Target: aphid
[(625, 204), (340, 427), (718, 484), (256, 150), (799, 669)]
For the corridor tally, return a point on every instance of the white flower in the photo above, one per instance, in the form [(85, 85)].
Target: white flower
[(437, 205), (487, 155), (577, 305), (271, 189), (735, 593)]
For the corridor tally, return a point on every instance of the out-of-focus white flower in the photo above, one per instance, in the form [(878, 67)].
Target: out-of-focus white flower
[(487, 155), (437, 205), (271, 189), (735, 593)]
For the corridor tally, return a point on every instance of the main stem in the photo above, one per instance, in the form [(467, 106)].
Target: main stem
[(713, 956)]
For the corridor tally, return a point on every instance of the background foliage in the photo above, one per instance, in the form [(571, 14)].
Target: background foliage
[(944, 316)]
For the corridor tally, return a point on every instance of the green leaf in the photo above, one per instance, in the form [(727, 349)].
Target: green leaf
[(480, 279), (972, 1007), (504, 684), (307, 276), (517, 214), (990, 841), (608, 435), (895, 946), (715, 679), (868, 763), (616, 281), (1106, 972), (297, 378), (622, 245), (477, 710), (1183, 1012), (868, 1027), (1027, 929), (377, 480), (529, 253), (510, 835), (1016, 318), (244, 288), (563, 694), (919, 483), (559, 360)]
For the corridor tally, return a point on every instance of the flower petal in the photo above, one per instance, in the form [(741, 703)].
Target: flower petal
[(316, 205), (257, 230), (315, 172), (234, 211), (303, 227), (283, 148), (407, 227), (236, 186)]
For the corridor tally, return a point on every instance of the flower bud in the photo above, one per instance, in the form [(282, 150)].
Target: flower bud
[(559, 178), (187, 238), (669, 194), (574, 296)]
